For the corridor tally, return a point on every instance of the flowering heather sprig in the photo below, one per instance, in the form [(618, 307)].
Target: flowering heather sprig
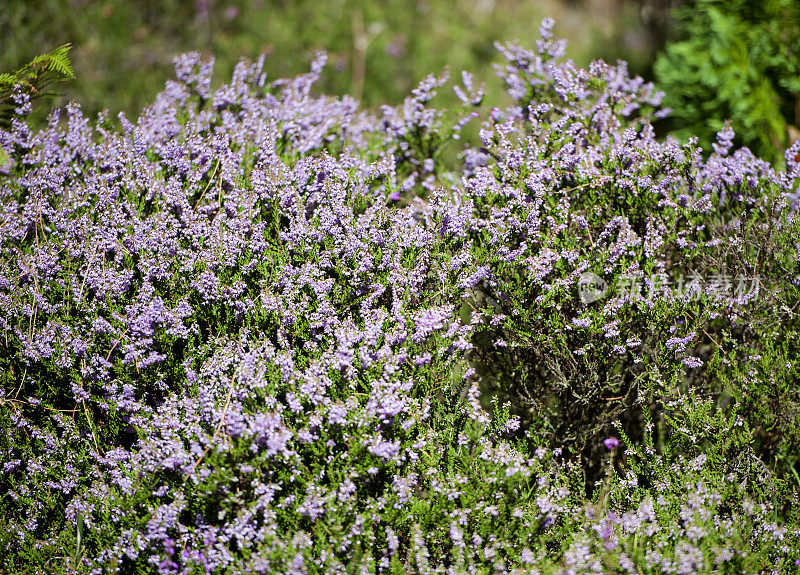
[(602, 97), (417, 134)]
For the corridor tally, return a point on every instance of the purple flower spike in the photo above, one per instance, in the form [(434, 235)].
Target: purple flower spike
[(611, 442), (395, 196)]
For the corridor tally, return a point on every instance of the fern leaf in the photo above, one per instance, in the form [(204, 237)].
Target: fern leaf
[(37, 76), (56, 61)]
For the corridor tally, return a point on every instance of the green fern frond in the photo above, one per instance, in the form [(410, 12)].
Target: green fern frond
[(7, 80), (37, 77), (55, 61)]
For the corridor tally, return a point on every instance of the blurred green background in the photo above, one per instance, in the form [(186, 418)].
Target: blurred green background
[(717, 60), (378, 51)]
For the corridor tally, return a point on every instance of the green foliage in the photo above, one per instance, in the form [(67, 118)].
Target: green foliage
[(735, 60)]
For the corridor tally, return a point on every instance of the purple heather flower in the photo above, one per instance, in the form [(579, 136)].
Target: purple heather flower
[(611, 442), (692, 361)]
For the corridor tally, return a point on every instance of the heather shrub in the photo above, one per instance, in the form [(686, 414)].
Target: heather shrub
[(696, 259), (262, 331), (672, 512), (237, 341)]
